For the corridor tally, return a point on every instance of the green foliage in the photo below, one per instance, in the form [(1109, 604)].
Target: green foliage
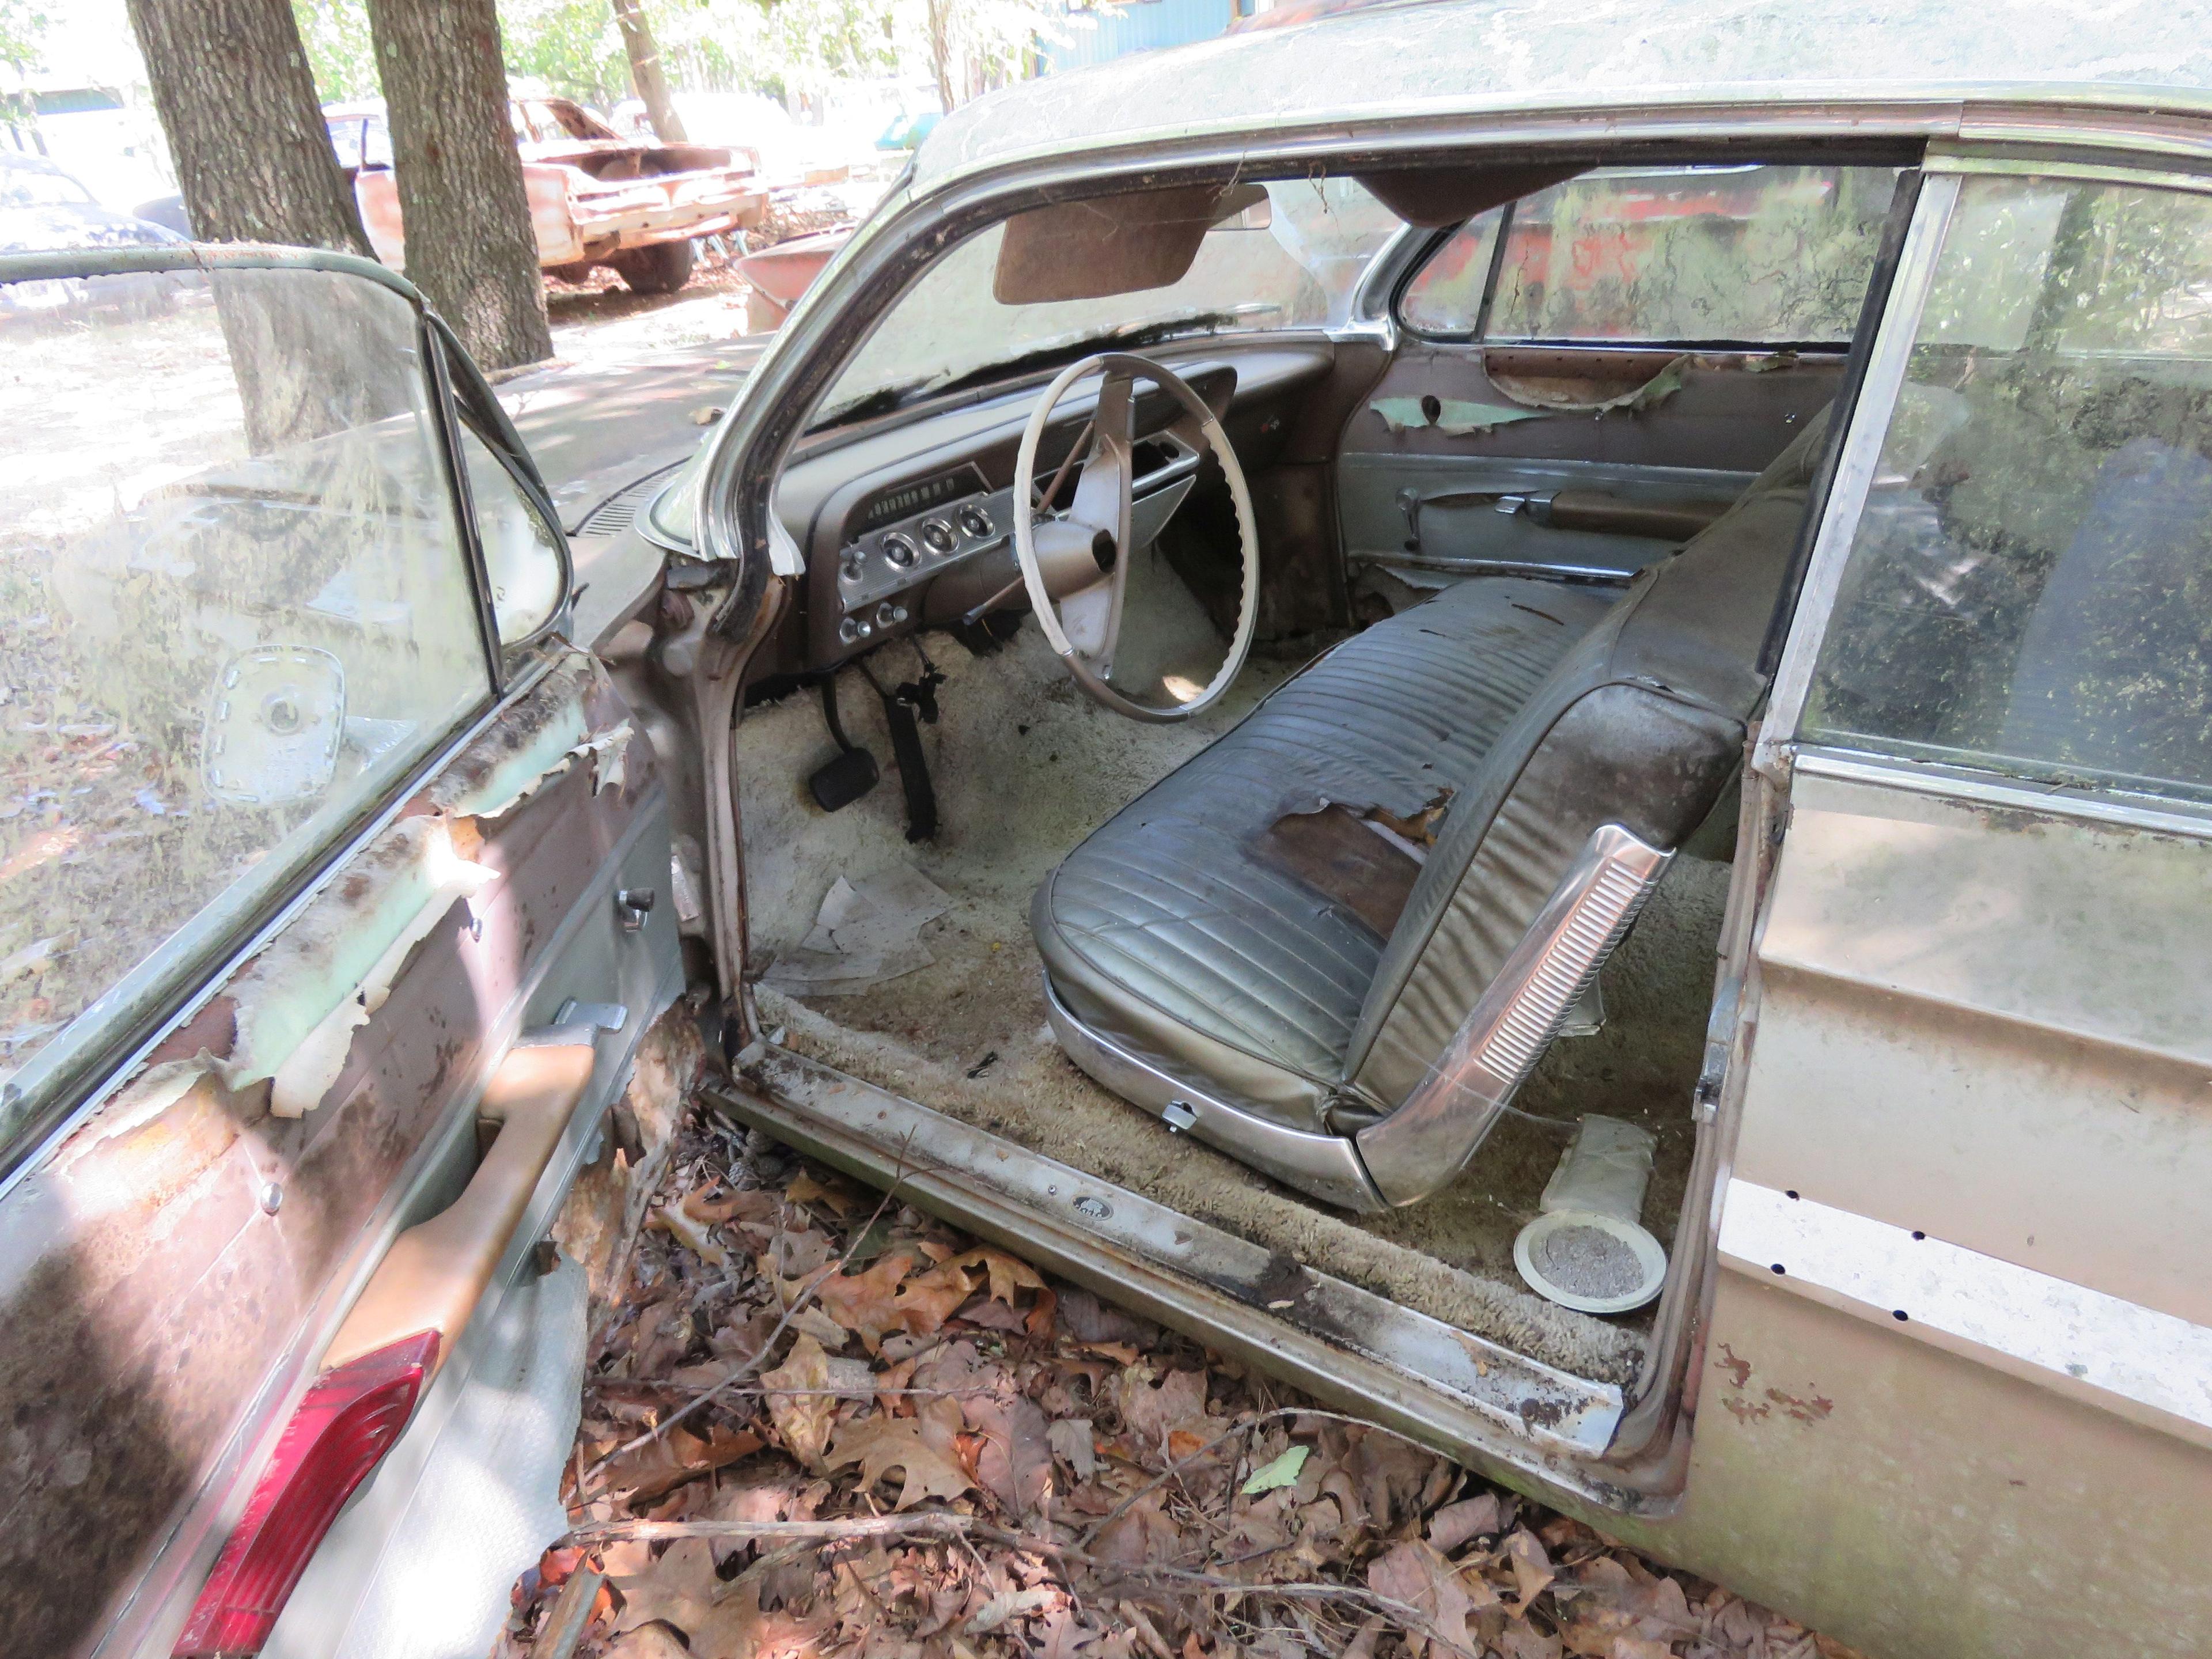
[(776, 47), (335, 34), (572, 46)]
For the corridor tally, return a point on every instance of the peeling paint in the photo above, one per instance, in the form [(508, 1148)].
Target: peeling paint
[(304, 1076), (314, 984)]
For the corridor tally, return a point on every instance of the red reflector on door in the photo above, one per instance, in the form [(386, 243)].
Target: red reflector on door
[(347, 1420)]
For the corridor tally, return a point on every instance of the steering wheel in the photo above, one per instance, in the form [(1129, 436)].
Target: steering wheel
[(1076, 565)]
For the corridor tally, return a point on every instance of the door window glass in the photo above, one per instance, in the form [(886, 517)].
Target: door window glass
[(2030, 587), (523, 556), (1445, 297), (1735, 255), (234, 611)]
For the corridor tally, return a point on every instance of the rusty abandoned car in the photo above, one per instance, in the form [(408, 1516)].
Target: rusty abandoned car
[(1511, 712)]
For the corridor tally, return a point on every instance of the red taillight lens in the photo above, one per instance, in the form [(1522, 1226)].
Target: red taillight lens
[(347, 1420)]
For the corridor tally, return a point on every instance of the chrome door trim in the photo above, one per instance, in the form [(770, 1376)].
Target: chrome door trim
[(2150, 1368), (1966, 162), (2002, 792), (1855, 466), (1436, 1131)]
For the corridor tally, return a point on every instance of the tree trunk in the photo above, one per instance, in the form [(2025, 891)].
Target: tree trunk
[(235, 96), (645, 71), (462, 206), (940, 21)]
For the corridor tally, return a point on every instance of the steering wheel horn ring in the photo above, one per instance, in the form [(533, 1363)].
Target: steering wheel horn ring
[(1095, 531)]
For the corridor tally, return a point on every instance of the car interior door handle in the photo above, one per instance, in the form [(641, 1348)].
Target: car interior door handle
[(436, 1271)]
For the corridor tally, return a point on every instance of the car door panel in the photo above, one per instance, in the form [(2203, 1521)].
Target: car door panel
[(1732, 414), (1960, 1341), (174, 1262)]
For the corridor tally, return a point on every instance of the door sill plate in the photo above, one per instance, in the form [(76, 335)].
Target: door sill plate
[(1472, 1399)]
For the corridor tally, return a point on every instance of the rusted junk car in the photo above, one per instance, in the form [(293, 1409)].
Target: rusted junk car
[(1685, 992), (596, 197)]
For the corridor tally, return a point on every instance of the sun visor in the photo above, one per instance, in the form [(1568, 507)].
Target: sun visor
[(1433, 198), (1111, 244)]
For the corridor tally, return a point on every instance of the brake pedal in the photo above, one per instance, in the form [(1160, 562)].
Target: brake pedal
[(852, 772)]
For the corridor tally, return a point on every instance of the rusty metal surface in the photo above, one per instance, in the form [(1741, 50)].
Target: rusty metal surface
[(1537, 1428), (149, 1288)]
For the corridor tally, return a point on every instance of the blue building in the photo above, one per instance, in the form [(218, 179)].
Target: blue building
[(1095, 35)]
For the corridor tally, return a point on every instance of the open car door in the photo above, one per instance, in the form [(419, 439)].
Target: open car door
[(1961, 1233), (327, 881)]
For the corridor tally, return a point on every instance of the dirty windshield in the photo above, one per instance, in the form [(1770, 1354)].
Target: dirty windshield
[(1294, 263), (234, 609)]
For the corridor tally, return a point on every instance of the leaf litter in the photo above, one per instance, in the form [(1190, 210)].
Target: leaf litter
[(818, 1424)]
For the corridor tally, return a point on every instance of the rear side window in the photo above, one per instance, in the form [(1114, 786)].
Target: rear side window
[(1709, 256), (234, 610), (2029, 589)]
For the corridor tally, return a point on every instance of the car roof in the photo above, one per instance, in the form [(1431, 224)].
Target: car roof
[(1437, 58), (24, 162)]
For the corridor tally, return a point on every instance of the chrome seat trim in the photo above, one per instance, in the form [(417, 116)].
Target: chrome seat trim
[(1328, 1167), (1424, 1145)]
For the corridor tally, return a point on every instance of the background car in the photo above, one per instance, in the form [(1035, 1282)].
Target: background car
[(596, 197), (41, 208)]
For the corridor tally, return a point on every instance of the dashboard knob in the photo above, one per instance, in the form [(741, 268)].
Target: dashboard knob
[(853, 566), (888, 615), (901, 550), (939, 535), (976, 522)]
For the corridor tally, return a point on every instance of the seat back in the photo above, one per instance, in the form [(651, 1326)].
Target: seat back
[(1641, 726)]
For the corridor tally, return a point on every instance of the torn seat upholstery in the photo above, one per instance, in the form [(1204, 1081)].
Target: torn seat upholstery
[(1209, 927)]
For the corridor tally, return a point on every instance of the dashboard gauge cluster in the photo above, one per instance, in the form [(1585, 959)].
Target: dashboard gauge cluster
[(876, 570)]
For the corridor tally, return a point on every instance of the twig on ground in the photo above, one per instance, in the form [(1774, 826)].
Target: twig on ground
[(593, 1534), (1174, 1470), (751, 1363)]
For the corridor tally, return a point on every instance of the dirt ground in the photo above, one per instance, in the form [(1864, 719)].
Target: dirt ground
[(818, 1422)]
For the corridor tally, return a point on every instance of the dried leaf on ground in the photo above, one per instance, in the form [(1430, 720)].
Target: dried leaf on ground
[(1070, 1442), (1453, 1525), (880, 1444), (663, 1464), (834, 1195), (1413, 1573), (1531, 1566), (1142, 1533), (866, 1304), (802, 1419), (694, 1235)]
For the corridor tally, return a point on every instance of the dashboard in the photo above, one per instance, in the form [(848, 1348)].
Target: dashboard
[(907, 520)]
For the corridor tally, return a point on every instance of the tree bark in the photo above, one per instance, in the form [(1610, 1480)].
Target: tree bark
[(237, 100), (940, 21), (645, 71), (462, 205)]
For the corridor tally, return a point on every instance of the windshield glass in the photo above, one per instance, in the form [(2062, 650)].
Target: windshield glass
[(1296, 269)]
